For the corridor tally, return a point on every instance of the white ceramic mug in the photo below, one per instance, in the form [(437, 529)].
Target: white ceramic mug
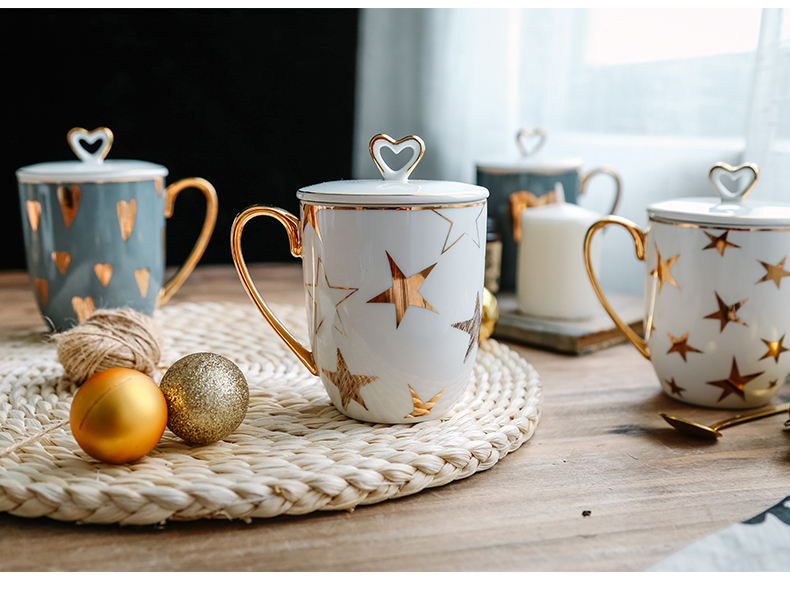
[(393, 275), (717, 297)]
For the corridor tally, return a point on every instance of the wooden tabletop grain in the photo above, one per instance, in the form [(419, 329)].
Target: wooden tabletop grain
[(604, 485)]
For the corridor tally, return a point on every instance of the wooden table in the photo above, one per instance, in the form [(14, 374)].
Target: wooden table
[(600, 447)]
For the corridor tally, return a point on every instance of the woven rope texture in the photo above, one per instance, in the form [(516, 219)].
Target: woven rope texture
[(293, 454)]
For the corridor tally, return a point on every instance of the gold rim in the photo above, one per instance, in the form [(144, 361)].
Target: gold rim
[(386, 208), (687, 225)]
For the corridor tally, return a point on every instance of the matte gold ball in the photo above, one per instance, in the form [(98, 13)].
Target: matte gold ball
[(118, 415), (207, 397)]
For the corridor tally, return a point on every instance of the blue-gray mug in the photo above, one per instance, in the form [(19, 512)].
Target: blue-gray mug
[(516, 185), (94, 231)]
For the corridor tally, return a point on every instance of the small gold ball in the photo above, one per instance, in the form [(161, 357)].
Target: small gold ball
[(118, 415), (207, 397), (490, 315)]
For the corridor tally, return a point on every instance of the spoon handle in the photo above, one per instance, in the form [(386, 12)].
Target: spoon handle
[(733, 420)]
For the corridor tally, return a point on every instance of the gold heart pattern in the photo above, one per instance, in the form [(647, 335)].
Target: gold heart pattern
[(127, 212), (62, 260), (103, 272), (731, 381), (33, 213), (43, 290), (69, 199), (142, 276), (82, 307)]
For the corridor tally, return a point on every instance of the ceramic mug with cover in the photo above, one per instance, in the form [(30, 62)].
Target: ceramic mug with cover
[(393, 276), (94, 231)]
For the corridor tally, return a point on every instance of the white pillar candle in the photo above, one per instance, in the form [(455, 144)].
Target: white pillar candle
[(552, 281)]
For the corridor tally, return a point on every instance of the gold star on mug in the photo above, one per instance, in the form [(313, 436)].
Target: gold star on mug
[(471, 327), (727, 313), (735, 383), (719, 242), (662, 270), (336, 295), (311, 217), (681, 346), (774, 272), (676, 390), (775, 349), (404, 291), (348, 384), (422, 408), (462, 225)]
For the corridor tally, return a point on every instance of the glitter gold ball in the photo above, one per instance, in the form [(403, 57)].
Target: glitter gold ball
[(207, 397)]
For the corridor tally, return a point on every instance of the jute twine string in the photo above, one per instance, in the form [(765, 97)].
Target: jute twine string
[(109, 338), (293, 454)]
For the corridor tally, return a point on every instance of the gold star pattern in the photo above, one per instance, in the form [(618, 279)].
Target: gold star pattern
[(774, 272), (676, 390), (404, 291), (727, 313), (735, 383), (681, 346), (422, 408), (311, 217), (662, 270), (462, 226), (775, 349), (348, 385), (719, 242), (472, 327), (336, 294)]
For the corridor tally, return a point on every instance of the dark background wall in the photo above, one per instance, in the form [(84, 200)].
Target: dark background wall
[(258, 102)]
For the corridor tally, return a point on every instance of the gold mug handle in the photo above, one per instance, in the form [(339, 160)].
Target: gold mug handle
[(171, 192), (293, 228), (639, 243), (612, 173)]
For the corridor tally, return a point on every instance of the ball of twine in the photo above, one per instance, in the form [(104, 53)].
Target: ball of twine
[(109, 338)]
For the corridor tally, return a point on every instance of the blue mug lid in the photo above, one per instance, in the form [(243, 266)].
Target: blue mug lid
[(92, 166)]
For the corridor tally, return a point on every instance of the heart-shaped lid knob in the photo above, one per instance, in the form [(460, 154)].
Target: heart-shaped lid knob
[(91, 167), (381, 141), (77, 136), (538, 137), (732, 184)]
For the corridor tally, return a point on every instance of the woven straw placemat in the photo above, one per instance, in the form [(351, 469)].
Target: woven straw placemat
[(293, 454)]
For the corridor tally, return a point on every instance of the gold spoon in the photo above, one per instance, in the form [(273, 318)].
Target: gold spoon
[(712, 431)]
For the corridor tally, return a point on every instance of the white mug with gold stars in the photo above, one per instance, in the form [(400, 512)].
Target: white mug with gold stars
[(393, 274), (717, 305)]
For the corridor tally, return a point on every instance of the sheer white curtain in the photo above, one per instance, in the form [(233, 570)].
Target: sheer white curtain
[(659, 94)]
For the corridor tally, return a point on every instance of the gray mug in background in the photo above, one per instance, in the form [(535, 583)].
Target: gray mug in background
[(94, 231), (527, 182)]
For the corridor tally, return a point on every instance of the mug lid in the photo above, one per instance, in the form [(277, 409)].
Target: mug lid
[(395, 189), (526, 161), (91, 167), (730, 209)]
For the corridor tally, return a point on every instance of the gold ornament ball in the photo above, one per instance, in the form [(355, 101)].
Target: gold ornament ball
[(490, 315), (118, 415), (207, 397)]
